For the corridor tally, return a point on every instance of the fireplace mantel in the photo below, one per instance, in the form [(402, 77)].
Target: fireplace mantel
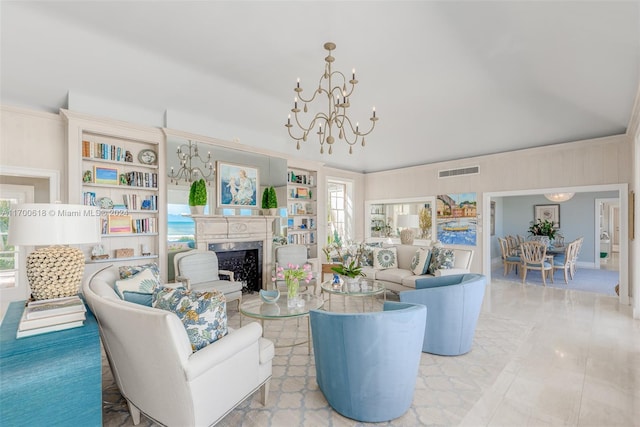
[(233, 229)]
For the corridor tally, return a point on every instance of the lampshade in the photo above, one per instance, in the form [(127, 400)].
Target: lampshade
[(559, 197), (34, 224), (55, 271), (408, 221)]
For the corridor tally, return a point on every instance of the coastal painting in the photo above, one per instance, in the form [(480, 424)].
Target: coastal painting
[(457, 218), (237, 185)]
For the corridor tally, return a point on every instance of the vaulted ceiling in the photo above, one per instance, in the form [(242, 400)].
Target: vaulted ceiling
[(448, 79)]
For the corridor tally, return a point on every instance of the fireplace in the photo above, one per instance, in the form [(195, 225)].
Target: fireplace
[(244, 259)]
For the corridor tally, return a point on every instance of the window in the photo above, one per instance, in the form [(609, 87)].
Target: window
[(340, 210)]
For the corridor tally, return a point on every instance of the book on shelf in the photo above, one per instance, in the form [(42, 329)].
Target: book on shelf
[(54, 307), (52, 328), (43, 322)]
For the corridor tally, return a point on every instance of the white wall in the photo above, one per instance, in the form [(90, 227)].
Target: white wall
[(592, 162)]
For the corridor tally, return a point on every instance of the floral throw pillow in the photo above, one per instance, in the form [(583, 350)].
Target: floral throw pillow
[(441, 259), (385, 258), (203, 313), (420, 261), (127, 271)]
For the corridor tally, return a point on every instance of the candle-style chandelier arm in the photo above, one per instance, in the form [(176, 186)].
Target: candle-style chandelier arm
[(338, 102)]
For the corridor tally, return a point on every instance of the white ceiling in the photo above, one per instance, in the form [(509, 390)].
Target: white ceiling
[(448, 79)]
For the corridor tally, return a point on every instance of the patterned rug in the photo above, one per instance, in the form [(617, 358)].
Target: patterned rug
[(446, 389)]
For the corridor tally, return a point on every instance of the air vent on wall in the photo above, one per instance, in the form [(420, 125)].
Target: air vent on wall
[(448, 173)]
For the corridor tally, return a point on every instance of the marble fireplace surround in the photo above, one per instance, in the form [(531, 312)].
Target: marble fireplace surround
[(220, 229)]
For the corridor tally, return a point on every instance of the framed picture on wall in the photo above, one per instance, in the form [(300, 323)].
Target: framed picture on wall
[(493, 218), (237, 185), (547, 212)]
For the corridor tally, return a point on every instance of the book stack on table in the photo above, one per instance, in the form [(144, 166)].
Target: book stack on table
[(51, 315)]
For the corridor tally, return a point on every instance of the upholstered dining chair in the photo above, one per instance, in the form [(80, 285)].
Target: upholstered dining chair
[(508, 261), (367, 363), (512, 245), (294, 255), (534, 257), (453, 308), (565, 261), (199, 270)]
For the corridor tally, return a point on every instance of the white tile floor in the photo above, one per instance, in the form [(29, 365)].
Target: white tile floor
[(579, 366)]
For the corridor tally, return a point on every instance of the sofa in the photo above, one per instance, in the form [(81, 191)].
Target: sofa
[(156, 369), (402, 277)]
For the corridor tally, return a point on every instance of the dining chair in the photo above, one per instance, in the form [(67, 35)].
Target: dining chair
[(564, 261), (574, 257), (534, 257), (512, 245), (508, 261)]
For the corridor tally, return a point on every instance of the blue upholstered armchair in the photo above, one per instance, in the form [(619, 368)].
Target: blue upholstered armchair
[(453, 303), (367, 363)]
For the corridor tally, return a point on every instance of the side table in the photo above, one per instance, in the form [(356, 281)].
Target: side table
[(50, 379)]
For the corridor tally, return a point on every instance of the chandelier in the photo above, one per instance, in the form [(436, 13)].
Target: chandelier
[(338, 97), (192, 165), (559, 197)]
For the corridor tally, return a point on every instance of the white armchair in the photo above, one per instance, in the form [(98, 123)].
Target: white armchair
[(155, 369), (199, 270)]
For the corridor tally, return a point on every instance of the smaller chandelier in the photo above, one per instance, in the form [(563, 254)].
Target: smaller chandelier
[(336, 115), (559, 197), (192, 165)]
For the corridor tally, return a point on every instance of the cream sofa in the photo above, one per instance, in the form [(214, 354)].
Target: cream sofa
[(402, 278)]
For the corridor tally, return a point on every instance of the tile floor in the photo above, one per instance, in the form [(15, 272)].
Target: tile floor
[(542, 356)]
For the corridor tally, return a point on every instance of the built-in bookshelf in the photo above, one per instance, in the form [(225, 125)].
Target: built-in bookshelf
[(118, 168), (302, 209)]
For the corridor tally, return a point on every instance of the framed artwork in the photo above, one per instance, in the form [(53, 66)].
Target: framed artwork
[(457, 218), (547, 212), (102, 175), (237, 185), (120, 224)]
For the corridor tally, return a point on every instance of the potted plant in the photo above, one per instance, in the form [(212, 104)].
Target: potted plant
[(543, 228), (273, 201), (265, 201), (198, 197)]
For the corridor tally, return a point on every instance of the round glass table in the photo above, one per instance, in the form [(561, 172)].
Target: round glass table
[(363, 288), (257, 309)]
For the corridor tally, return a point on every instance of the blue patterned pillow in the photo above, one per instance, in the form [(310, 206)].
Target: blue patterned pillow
[(420, 261), (441, 259), (366, 259), (138, 288), (203, 313), (127, 271), (385, 258)]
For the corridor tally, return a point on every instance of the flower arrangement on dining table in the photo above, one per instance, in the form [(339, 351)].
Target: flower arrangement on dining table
[(292, 276)]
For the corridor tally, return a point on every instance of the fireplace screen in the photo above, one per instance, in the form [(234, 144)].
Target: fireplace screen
[(244, 259)]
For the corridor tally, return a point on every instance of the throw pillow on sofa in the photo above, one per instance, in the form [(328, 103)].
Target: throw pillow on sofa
[(384, 258), (420, 261), (127, 271), (138, 288), (203, 313), (441, 259)]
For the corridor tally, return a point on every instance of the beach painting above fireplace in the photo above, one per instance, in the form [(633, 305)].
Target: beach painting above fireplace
[(237, 185)]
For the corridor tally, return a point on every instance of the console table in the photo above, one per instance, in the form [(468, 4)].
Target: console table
[(50, 379)]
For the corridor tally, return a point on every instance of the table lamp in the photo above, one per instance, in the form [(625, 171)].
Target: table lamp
[(409, 222), (54, 271)]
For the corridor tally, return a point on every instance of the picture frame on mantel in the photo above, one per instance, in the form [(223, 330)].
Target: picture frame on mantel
[(236, 185), (547, 212)]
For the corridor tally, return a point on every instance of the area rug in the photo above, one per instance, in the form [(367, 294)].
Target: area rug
[(446, 389), (585, 279)]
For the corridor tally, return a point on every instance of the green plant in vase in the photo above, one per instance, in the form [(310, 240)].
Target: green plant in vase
[(198, 196), (543, 228), (273, 201)]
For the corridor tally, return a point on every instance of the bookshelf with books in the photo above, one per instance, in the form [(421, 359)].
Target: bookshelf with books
[(302, 209), (119, 167)]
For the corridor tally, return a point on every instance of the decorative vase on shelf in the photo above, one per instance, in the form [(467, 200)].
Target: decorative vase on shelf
[(293, 297)]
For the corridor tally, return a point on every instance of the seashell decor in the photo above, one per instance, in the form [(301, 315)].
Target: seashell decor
[(55, 272)]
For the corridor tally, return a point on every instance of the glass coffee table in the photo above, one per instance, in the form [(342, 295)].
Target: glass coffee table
[(257, 309), (364, 288)]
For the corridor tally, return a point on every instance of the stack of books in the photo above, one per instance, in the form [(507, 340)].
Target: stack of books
[(51, 315)]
